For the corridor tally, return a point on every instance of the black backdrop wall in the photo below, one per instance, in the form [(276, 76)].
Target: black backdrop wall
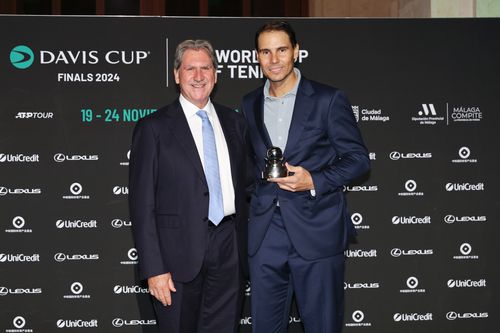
[(425, 93)]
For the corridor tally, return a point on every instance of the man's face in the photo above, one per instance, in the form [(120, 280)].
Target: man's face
[(276, 55), (196, 77)]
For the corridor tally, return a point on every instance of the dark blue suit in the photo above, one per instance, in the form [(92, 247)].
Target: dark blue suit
[(324, 139), (169, 203)]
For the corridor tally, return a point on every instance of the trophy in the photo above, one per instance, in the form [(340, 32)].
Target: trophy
[(275, 166)]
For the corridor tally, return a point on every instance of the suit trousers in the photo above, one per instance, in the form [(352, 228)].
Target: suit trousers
[(277, 272), (211, 303)]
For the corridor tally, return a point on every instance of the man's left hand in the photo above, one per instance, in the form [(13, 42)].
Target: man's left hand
[(300, 180)]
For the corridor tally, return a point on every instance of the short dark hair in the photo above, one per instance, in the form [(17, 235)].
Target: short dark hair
[(276, 26)]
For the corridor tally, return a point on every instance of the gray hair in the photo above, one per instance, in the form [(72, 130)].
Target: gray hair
[(197, 45)]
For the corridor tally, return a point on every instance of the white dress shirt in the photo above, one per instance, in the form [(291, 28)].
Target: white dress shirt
[(195, 124)]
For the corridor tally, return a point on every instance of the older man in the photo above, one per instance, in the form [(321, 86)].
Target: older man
[(187, 201)]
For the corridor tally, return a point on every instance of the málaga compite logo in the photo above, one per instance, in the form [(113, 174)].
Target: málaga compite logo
[(21, 57)]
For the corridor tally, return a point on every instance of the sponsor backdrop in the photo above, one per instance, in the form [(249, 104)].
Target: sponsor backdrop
[(424, 92)]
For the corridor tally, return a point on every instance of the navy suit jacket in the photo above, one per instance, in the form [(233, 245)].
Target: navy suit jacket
[(324, 139), (168, 192)]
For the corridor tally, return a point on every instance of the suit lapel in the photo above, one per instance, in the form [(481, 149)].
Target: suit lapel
[(231, 140), (178, 125), (301, 109), (259, 120)]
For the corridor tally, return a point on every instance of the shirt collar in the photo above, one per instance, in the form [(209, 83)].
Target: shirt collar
[(291, 92), (190, 109)]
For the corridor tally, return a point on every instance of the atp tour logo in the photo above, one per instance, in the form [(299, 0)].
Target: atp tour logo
[(411, 189), (18, 223), (357, 219), (412, 284), (427, 115), (21, 57), (464, 156), (76, 189), (466, 250), (358, 318), (133, 256)]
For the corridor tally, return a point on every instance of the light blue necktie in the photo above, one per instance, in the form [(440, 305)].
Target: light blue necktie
[(215, 206)]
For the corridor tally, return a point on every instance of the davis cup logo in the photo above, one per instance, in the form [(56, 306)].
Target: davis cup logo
[(19, 322), (21, 57)]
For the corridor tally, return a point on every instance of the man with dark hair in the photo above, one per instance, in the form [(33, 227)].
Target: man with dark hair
[(299, 225), (188, 203)]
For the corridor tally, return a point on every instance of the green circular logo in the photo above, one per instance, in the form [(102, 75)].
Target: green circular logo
[(21, 57)]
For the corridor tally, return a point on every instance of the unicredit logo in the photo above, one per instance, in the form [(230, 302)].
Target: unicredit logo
[(117, 190), (77, 323), (20, 158), (130, 290), (468, 283), (412, 317)]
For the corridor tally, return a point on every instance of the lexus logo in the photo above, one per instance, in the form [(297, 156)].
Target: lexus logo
[(117, 223), (59, 157), (395, 155), (3, 190), (452, 315), (60, 257), (396, 252), (3, 291), (449, 219), (117, 322)]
